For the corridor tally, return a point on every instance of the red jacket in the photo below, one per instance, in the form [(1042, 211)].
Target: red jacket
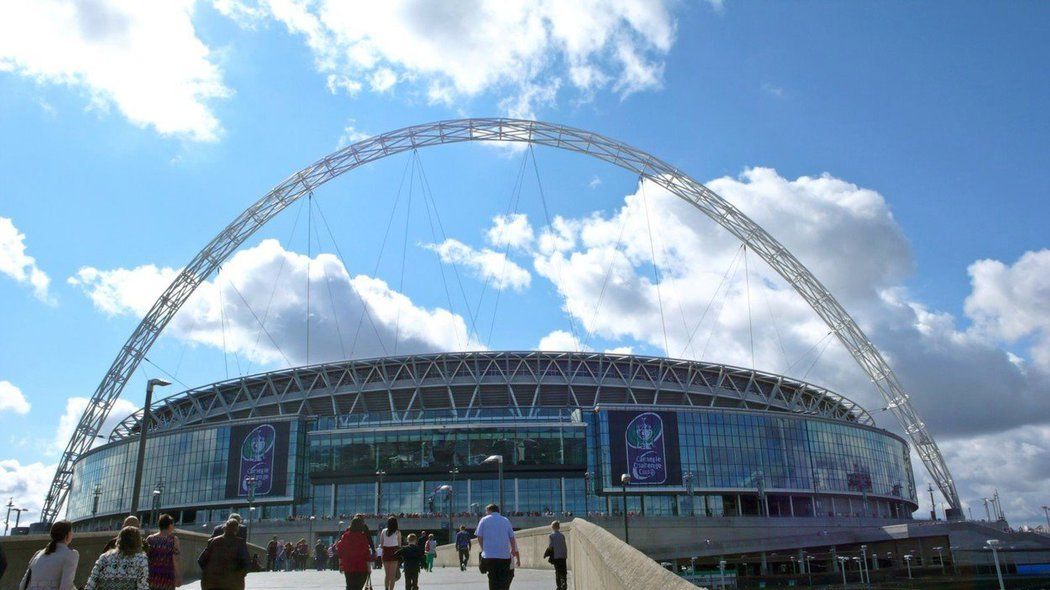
[(355, 552)]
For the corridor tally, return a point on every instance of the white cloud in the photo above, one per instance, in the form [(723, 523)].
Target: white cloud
[(492, 266), (620, 350), (773, 90), (595, 182), (143, 57), (11, 398), (27, 485), (15, 263), (513, 231), (1011, 302), (520, 51), (75, 407), (560, 341), (351, 134), (356, 316)]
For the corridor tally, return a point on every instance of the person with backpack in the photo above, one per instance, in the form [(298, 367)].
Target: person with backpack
[(463, 547)]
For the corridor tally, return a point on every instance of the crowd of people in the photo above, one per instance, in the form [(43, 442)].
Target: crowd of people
[(133, 562)]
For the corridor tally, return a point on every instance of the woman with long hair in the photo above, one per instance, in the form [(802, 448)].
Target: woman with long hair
[(162, 551), (355, 550), (390, 542), (53, 567), (123, 568)]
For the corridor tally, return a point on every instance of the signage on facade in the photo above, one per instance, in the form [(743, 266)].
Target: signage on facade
[(645, 446), (258, 451)]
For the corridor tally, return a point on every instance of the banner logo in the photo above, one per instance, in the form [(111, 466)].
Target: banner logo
[(257, 460), (646, 454)]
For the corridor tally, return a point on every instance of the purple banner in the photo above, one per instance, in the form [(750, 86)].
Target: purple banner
[(260, 452), (645, 446)]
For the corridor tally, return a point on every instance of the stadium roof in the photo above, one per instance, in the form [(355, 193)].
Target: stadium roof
[(463, 383)]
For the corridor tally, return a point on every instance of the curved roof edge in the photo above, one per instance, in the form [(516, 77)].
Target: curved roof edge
[(465, 381)]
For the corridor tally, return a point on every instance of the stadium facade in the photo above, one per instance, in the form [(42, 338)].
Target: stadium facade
[(697, 439)]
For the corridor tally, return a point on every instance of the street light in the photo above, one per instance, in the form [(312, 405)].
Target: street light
[(250, 482), (156, 505), (842, 568), (940, 557), (864, 565), (993, 544), (688, 477), (722, 572), (94, 505), (448, 490), (10, 507), (907, 560), (498, 460), (18, 514), (587, 493), (143, 431), (624, 480), (379, 491), (809, 568)]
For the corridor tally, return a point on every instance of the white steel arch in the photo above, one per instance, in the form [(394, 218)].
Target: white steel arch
[(208, 260)]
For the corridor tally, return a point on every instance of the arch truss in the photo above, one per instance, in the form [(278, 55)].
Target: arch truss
[(303, 182)]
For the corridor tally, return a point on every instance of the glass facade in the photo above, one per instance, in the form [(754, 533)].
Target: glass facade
[(740, 463)]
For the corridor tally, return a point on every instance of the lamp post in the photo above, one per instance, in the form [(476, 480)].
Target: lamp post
[(842, 567), (10, 507), (379, 491), (624, 480), (722, 573), (940, 557), (475, 508), (809, 568), (448, 490), (156, 505), (587, 493), (18, 514), (250, 483), (688, 477), (907, 560), (498, 460), (94, 505), (453, 473), (865, 575), (993, 544), (986, 512), (143, 432)]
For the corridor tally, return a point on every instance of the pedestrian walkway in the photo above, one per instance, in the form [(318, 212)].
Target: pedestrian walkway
[(439, 579)]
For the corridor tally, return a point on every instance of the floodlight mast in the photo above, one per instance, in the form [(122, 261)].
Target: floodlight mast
[(304, 182)]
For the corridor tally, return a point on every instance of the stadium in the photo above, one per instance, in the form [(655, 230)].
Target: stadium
[(700, 466), (382, 436)]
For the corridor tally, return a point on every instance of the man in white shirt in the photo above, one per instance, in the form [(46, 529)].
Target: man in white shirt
[(496, 539)]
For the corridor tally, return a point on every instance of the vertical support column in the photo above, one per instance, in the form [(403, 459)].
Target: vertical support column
[(739, 506), (563, 495), (517, 507), (470, 496), (834, 560), (791, 505), (764, 567), (331, 502)]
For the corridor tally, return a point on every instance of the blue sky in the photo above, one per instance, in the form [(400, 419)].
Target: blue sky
[(130, 135)]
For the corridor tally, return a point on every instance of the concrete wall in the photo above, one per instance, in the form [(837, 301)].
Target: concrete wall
[(597, 559), (20, 550)]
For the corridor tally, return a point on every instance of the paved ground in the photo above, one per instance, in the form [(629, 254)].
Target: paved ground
[(439, 579)]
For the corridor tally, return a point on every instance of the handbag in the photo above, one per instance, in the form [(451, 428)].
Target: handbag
[(483, 565), (548, 554)]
